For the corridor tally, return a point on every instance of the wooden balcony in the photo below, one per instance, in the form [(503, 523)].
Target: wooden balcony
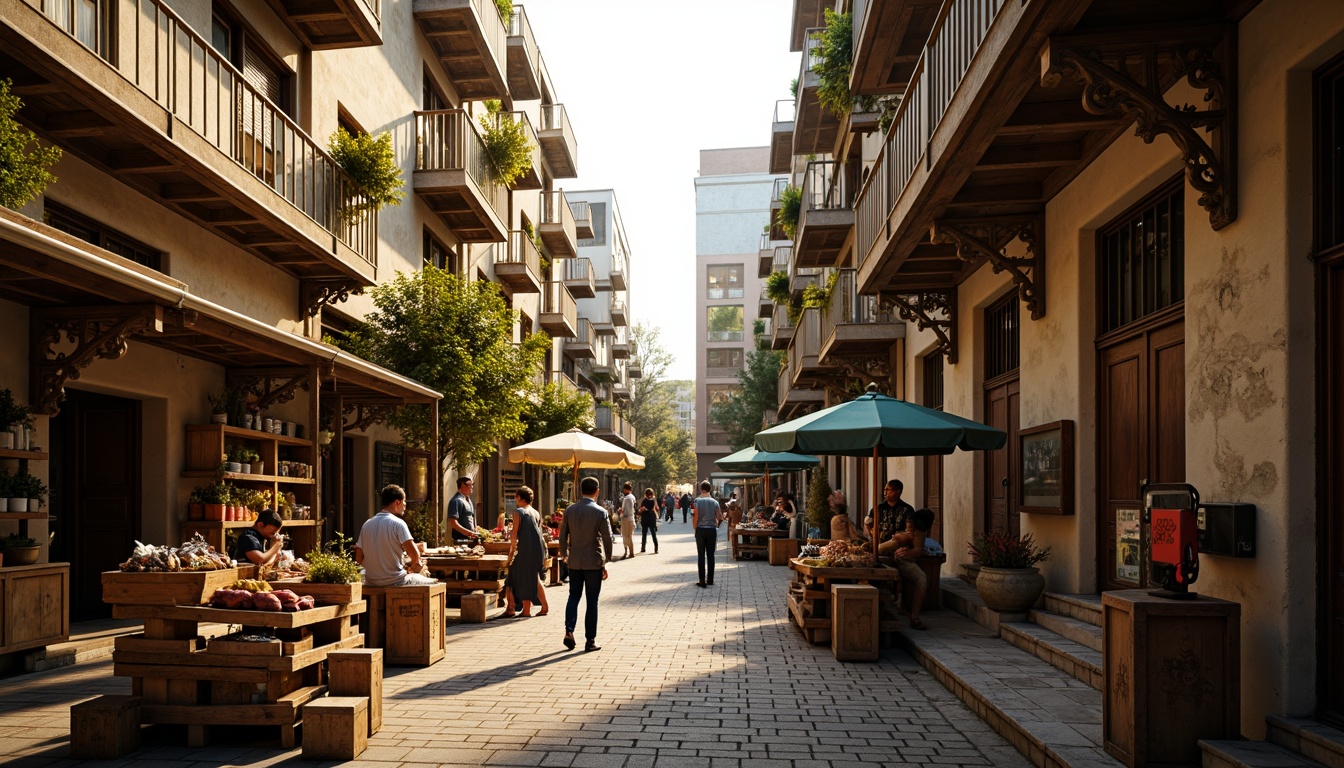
[(792, 400), (326, 24), (470, 39), (765, 306), (781, 329), (634, 369), (781, 137), (618, 315), (774, 260), (562, 381), (825, 218), (558, 145), (579, 278), (175, 121), (814, 126), (807, 14), (608, 424), (559, 313), (524, 58), (532, 179), (602, 326), (518, 267), (856, 330), (889, 40), (617, 274), (583, 219), (776, 230), (581, 344), (620, 350), (557, 227), (805, 353), (453, 177)]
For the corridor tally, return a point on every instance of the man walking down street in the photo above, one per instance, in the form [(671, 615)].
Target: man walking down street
[(707, 517), (461, 512), (685, 506), (585, 542), (669, 505), (628, 521)]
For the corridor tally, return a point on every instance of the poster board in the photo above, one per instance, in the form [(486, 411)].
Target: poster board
[(1128, 554), (389, 465)]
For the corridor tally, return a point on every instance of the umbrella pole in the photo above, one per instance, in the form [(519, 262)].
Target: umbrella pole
[(876, 493), (575, 492)]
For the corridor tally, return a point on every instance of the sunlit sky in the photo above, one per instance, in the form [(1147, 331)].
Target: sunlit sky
[(647, 85)]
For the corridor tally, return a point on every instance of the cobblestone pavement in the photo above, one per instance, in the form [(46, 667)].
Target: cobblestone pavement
[(686, 677)]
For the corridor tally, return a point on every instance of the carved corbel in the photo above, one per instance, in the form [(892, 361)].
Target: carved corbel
[(1206, 61), (96, 333), (366, 416), (279, 390), (987, 240), (931, 311), (316, 294)]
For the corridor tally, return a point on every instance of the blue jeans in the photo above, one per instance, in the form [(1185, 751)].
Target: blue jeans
[(649, 528), (706, 539), (581, 582)]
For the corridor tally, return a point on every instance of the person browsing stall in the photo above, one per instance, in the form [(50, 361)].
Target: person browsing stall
[(260, 544), (383, 539), (461, 512)]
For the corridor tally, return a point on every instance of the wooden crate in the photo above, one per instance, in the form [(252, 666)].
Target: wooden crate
[(324, 594), (359, 672), (1172, 676), (164, 588), (409, 626), (854, 622), (34, 606), (496, 547), (105, 728), (782, 551), (335, 728)]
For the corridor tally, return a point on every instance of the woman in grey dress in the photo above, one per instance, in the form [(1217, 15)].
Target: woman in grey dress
[(527, 554)]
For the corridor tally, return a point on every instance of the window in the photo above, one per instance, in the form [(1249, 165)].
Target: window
[(95, 233), (724, 358), (725, 323), (933, 380), (1001, 337), (724, 281), (430, 98), (436, 254), (1142, 258), (88, 21)]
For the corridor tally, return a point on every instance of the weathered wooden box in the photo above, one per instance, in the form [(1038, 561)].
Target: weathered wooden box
[(324, 594), (407, 623), (164, 587), (854, 622), (782, 551)]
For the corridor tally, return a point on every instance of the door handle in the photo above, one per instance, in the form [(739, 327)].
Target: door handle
[(1005, 482)]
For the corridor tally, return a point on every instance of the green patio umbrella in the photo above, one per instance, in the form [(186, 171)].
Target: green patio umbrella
[(752, 459), (875, 425)]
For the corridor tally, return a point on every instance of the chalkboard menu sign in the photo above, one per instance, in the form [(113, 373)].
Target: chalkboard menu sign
[(389, 465)]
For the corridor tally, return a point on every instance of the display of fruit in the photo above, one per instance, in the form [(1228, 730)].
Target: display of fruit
[(251, 585), (193, 555), (278, 600)]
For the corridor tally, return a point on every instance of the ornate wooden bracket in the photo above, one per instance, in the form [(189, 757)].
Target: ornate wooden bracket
[(366, 416), (987, 239), (1206, 59), (863, 368), (316, 294), (931, 310), (95, 332)]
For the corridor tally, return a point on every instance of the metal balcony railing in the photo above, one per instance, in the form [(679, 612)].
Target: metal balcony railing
[(618, 310), (783, 258), (849, 307), (785, 110), (824, 186), (580, 210), (796, 272), (812, 53), (557, 300), (780, 318), (554, 117), (561, 380), (184, 74), (780, 185), (580, 270), (494, 30), (555, 210), (521, 250), (583, 333), (519, 26), (448, 140), (953, 43), (607, 419)]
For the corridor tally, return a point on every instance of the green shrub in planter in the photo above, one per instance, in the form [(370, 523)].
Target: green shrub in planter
[(790, 205), (506, 145), (26, 486), (11, 413), (370, 161), (835, 49)]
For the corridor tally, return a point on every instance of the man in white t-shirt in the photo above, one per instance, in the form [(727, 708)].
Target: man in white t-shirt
[(628, 520), (383, 539)]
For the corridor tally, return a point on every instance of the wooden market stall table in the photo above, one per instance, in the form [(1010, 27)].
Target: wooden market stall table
[(184, 679), (463, 575), (810, 597), (753, 542), (303, 533)]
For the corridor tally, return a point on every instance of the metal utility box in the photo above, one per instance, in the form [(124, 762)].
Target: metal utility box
[(1227, 528)]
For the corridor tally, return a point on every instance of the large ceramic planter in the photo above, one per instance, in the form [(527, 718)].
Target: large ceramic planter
[(1010, 590), (972, 572), (22, 555)]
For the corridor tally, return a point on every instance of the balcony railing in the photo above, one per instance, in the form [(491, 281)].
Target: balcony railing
[(580, 277), (780, 185), (524, 77), (184, 74), (448, 140), (608, 421), (725, 292), (947, 57), (723, 335), (531, 179), (557, 136), (785, 110), (521, 252), (849, 307), (583, 333), (783, 257), (618, 315), (583, 219), (557, 225), (558, 304), (561, 380), (823, 186)]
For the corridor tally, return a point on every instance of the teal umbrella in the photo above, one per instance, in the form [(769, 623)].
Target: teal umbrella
[(875, 425), (752, 459)]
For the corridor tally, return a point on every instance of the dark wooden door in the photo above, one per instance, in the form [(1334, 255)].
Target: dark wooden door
[(933, 495), (96, 468), (1141, 436), (1001, 412), (1331, 510)]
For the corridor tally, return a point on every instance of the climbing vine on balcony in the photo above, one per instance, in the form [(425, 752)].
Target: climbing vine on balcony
[(817, 297), (835, 48), (371, 163), (790, 204), (506, 144), (777, 287)]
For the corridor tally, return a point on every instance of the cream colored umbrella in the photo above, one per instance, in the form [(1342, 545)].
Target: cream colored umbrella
[(578, 449)]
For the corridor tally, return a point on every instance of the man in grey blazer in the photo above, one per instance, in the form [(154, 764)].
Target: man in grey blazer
[(585, 542)]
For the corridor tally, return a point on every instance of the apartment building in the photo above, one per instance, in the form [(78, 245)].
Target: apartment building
[(731, 217), (1117, 225), (199, 233), (683, 402)]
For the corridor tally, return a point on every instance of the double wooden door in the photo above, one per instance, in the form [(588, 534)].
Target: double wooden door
[(1140, 436)]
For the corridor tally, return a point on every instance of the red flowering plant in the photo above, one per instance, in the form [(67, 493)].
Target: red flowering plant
[(1005, 550)]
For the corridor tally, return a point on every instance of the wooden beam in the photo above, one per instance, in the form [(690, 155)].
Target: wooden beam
[(189, 192), (1029, 156), (83, 122), (998, 194), (139, 161), (1045, 117)]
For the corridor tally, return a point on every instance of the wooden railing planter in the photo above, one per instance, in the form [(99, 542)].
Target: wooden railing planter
[(169, 62)]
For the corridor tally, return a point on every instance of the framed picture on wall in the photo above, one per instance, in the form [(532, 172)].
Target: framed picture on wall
[(1047, 475), (417, 475)]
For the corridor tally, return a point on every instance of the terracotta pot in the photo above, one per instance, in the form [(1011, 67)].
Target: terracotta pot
[(22, 555), (214, 512), (1010, 590), (196, 511)]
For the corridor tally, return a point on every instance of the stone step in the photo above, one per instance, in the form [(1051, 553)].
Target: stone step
[(1052, 718), (1080, 632), (961, 597), (1251, 754), (1085, 608), (1312, 739), (1075, 659)]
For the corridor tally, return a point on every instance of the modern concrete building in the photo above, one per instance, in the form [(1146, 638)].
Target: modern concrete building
[(200, 233), (1154, 307), (684, 403), (731, 215)]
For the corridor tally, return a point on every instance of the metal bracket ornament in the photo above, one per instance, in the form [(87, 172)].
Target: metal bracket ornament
[(980, 240), (316, 294), (931, 311), (366, 416), (96, 333), (1207, 63)]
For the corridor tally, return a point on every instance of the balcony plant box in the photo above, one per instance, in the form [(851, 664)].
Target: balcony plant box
[(164, 587)]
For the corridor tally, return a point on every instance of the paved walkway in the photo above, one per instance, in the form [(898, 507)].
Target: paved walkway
[(686, 677)]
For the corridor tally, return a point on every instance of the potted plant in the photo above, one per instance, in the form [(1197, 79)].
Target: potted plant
[(233, 458), (213, 498), (29, 488), (506, 145), (334, 578), (12, 415), (10, 491), (20, 550), (371, 163), (219, 408), (1008, 580)]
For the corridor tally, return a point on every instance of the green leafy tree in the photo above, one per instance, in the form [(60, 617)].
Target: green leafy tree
[(555, 409), (457, 337), (835, 49), (742, 414), (23, 173), (370, 161), (668, 450)]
